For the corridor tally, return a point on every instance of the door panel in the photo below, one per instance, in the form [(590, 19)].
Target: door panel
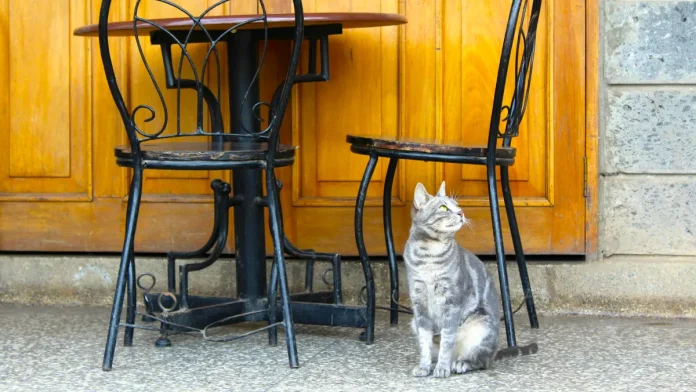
[(361, 95), (471, 57), (437, 82), (433, 78), (45, 148)]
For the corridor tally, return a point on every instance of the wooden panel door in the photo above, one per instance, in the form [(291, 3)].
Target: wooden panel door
[(434, 79), (60, 189)]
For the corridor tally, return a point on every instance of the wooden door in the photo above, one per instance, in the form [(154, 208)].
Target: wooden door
[(434, 78), (60, 189)]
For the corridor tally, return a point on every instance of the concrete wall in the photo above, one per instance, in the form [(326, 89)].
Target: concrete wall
[(648, 133)]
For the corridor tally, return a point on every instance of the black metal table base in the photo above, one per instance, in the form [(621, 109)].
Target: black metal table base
[(176, 309), (307, 308)]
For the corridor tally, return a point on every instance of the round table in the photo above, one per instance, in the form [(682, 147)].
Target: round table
[(249, 221), (348, 20)]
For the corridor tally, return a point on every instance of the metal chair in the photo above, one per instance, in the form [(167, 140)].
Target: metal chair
[(520, 37), (247, 146)]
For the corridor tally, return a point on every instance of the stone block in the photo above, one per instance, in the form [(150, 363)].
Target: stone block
[(649, 215), (650, 42), (650, 132)]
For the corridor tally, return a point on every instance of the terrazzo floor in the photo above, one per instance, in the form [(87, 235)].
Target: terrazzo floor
[(60, 349)]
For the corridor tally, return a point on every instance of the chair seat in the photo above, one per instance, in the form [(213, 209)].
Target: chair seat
[(427, 150), (232, 152)]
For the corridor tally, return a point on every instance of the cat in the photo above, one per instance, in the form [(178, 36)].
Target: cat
[(451, 292)]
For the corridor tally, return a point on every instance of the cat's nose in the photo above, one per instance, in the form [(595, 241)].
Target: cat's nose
[(460, 213)]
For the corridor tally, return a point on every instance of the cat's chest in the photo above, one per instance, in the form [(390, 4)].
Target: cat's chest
[(435, 292), (438, 295)]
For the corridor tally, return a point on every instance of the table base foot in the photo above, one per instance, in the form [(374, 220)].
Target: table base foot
[(315, 308)]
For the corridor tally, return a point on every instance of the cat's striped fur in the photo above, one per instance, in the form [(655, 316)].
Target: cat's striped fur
[(452, 293)]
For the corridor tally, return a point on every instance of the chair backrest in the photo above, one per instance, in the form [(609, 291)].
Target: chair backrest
[(206, 81), (520, 40)]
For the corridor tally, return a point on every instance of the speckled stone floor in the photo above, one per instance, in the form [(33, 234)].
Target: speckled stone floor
[(59, 349)]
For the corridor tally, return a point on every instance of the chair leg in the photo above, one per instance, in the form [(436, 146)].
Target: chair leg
[(277, 233), (500, 256), (273, 305), (519, 252), (132, 301), (131, 222), (369, 335), (273, 280), (389, 239)]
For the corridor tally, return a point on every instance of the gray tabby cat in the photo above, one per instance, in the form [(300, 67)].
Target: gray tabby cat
[(451, 292)]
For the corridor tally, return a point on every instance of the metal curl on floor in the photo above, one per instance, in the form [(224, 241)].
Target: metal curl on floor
[(204, 331), (166, 294), (191, 330), (166, 309), (399, 307), (363, 300), (140, 285), (324, 279)]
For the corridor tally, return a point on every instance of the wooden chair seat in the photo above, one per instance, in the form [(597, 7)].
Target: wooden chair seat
[(428, 150), (232, 152)]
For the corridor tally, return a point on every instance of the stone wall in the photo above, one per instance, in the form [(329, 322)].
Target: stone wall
[(648, 133)]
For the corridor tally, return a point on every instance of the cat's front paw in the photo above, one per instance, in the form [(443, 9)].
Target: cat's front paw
[(460, 367), (421, 371), (441, 371)]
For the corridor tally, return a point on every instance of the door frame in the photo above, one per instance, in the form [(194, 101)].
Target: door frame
[(592, 109)]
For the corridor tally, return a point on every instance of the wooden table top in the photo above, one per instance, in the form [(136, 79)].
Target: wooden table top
[(349, 20)]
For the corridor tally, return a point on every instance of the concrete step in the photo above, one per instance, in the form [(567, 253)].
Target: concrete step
[(625, 286)]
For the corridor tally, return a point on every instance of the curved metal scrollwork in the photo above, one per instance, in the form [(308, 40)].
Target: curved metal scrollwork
[(204, 94), (146, 289), (525, 37)]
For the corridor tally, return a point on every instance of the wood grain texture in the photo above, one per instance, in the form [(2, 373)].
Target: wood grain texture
[(367, 78), (205, 151), (39, 66), (471, 57), (46, 144), (98, 226), (349, 20), (592, 129), (427, 146), (568, 123), (447, 62), (429, 79)]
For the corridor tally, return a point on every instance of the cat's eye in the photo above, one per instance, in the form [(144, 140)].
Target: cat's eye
[(444, 208)]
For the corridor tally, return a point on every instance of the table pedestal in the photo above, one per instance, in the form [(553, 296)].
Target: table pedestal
[(251, 303)]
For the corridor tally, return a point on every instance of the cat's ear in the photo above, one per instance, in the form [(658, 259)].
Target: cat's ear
[(442, 192), (420, 196)]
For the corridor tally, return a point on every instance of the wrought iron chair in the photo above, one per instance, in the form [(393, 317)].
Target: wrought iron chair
[(520, 37), (245, 147)]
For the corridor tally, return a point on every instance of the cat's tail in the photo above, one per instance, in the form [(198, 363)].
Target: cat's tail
[(512, 352)]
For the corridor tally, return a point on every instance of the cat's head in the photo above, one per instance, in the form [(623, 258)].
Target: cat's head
[(438, 215)]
